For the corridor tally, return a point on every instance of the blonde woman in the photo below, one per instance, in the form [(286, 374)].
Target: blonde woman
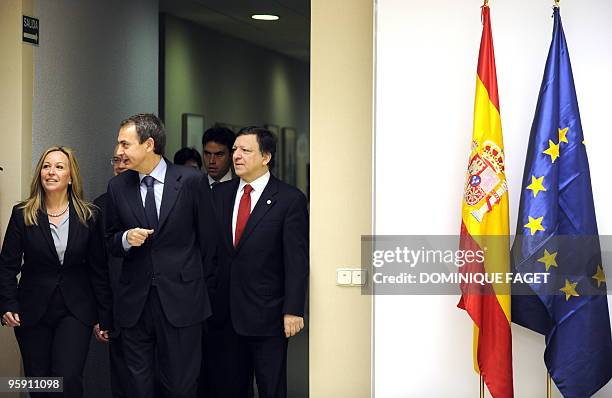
[(55, 241)]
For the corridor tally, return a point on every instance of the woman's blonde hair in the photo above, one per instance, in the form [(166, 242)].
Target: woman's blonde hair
[(36, 200)]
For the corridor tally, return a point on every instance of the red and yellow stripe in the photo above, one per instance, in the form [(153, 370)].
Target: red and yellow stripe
[(489, 310)]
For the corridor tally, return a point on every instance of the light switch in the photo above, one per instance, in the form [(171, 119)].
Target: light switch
[(358, 277), (343, 276)]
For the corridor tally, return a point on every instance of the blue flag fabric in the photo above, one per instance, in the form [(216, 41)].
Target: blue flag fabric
[(556, 205)]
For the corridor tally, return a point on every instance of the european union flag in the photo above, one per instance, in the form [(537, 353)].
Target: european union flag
[(557, 233)]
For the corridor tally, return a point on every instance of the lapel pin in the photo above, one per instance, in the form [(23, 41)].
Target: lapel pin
[(269, 201)]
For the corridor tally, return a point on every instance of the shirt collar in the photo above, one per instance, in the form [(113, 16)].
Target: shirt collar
[(159, 172), (226, 177), (258, 185)]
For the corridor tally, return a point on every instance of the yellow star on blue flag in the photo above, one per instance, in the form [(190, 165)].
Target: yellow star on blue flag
[(537, 185), (563, 135)]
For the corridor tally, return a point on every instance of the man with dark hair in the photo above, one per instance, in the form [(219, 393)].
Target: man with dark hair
[(158, 219), (188, 157), (259, 280), (217, 143), (118, 370)]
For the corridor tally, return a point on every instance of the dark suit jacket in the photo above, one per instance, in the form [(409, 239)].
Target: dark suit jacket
[(82, 278), (266, 276), (173, 257), (114, 263)]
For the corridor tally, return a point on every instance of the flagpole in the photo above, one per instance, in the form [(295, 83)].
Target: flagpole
[(481, 387), (548, 386)]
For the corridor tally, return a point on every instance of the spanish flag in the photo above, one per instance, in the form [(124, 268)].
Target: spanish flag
[(484, 228)]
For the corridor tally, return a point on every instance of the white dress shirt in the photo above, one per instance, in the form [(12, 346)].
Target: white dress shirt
[(228, 176), (159, 176), (258, 186)]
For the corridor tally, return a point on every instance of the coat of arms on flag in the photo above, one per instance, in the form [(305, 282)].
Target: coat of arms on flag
[(486, 182)]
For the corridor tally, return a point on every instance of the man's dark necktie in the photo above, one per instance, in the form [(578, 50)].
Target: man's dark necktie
[(150, 208)]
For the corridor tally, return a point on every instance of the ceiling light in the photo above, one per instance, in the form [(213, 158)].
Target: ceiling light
[(264, 17)]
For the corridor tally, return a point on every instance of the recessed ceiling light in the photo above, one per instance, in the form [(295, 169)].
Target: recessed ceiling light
[(264, 17)]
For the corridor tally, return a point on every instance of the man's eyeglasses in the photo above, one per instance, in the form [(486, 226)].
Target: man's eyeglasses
[(116, 160)]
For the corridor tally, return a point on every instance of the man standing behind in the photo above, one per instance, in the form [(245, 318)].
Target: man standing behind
[(158, 216), (217, 143), (118, 370), (260, 280)]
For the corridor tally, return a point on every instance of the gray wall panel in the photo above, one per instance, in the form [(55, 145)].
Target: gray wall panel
[(96, 64)]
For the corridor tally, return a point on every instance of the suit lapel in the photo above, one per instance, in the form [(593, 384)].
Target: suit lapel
[(43, 224), (266, 201), (73, 225), (172, 186), (133, 197), (228, 212)]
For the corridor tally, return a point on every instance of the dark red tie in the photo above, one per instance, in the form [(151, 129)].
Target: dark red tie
[(244, 211)]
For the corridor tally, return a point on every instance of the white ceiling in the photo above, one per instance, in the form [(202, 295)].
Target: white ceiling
[(289, 35)]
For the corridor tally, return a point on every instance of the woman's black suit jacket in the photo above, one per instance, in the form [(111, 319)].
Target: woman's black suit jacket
[(82, 278)]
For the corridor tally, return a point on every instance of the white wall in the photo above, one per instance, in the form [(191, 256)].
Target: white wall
[(426, 69)]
